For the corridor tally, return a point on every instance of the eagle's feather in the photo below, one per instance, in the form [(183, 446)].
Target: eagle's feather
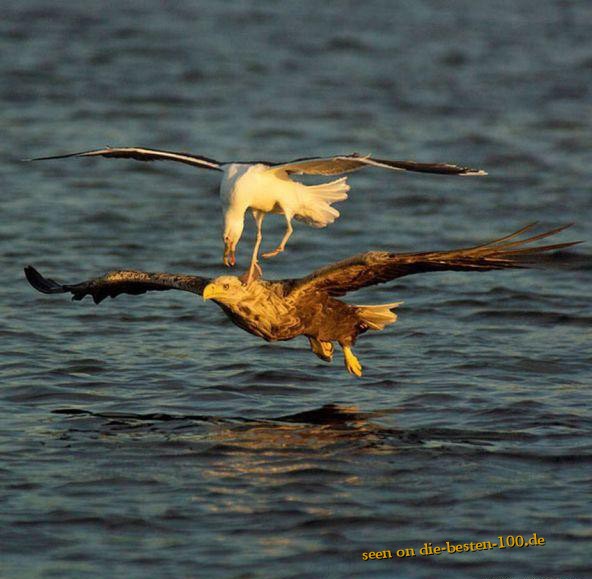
[(285, 309), (375, 267)]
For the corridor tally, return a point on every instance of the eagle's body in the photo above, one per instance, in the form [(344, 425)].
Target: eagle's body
[(271, 311), (260, 309), (308, 306), (266, 187)]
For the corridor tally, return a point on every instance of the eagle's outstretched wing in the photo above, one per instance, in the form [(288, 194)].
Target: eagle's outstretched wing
[(376, 267), (347, 163), (115, 283), (141, 154)]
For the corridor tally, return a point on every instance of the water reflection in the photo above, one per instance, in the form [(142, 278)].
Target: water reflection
[(310, 428), (331, 425)]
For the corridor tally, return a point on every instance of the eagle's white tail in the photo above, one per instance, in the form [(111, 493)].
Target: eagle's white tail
[(316, 207), (378, 317)]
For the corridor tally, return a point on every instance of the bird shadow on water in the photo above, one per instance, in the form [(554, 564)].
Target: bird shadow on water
[(332, 426)]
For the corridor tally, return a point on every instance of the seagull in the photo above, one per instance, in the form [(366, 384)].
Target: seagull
[(308, 306), (267, 187)]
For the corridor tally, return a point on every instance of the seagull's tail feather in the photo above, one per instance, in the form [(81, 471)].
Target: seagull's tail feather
[(316, 204), (330, 192), (378, 317)]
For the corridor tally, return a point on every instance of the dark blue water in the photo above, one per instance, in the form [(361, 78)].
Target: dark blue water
[(149, 437)]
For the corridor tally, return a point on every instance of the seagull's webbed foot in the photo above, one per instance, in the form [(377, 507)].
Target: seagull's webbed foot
[(273, 253), (284, 240), (254, 273), (352, 364)]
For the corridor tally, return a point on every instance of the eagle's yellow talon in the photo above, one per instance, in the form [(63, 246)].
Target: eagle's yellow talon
[(327, 349), (324, 350), (352, 364)]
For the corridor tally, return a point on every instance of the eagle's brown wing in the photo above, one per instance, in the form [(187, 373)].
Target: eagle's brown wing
[(141, 154), (347, 163), (376, 267), (115, 283)]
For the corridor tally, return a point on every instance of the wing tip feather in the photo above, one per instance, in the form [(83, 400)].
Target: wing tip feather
[(42, 284), (473, 173)]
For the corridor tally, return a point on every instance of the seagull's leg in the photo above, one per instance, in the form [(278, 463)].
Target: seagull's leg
[(282, 245), (254, 267), (352, 364)]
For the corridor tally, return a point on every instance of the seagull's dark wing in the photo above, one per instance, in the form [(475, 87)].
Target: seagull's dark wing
[(347, 163), (115, 283), (377, 267), (141, 154), (321, 165)]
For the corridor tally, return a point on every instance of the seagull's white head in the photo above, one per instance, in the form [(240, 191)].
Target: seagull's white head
[(226, 289), (233, 229)]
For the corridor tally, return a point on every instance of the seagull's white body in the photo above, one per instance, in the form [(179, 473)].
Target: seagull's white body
[(266, 187), (263, 190), (245, 186), (259, 188)]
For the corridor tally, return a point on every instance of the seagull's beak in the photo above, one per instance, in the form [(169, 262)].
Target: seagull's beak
[(228, 259), (211, 291)]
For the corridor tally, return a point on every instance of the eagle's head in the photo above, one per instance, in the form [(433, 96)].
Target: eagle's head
[(226, 289)]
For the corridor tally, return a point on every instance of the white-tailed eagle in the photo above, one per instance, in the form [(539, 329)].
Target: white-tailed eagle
[(308, 306)]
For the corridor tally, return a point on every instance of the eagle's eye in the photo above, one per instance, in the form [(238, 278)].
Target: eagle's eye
[(226, 286)]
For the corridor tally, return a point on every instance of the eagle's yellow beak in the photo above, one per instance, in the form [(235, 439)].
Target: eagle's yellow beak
[(211, 291)]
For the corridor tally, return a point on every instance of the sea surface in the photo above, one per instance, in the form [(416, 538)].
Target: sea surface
[(149, 437)]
